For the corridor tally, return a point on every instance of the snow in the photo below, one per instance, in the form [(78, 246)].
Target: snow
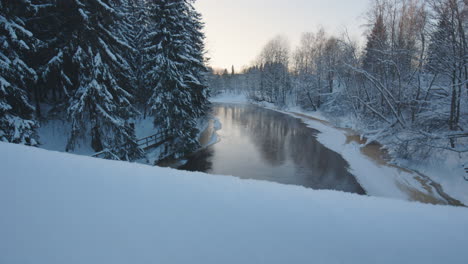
[(55, 61), (85, 210), (108, 51), (446, 169), (144, 127), (376, 180), (83, 14), (387, 180), (53, 135), (54, 132), (108, 8), (3, 84)]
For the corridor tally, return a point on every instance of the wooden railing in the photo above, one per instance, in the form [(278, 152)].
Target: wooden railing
[(146, 143), (154, 140)]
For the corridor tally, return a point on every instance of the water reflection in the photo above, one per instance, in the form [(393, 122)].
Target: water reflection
[(261, 144)]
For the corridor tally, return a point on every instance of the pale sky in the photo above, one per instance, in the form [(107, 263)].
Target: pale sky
[(236, 30)]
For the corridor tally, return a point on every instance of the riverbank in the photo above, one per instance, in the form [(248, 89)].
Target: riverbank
[(87, 210), (379, 174)]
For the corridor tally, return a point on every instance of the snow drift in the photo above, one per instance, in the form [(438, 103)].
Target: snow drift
[(62, 208)]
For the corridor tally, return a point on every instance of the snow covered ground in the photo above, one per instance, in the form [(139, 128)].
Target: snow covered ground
[(54, 133), (378, 178), (64, 208)]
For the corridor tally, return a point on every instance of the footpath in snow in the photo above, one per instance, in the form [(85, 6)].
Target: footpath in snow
[(61, 208), (376, 176)]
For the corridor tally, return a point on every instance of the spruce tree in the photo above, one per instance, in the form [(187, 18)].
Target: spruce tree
[(53, 24), (133, 28), (174, 68), (100, 104), (17, 122), (376, 47), (440, 50), (196, 78)]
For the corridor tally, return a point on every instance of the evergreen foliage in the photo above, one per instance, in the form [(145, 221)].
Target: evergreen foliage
[(17, 43), (376, 45), (174, 71), (100, 105), (100, 61)]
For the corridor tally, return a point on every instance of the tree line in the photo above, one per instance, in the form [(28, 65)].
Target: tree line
[(407, 87), (103, 63)]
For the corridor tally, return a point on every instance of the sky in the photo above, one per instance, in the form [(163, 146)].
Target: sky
[(237, 30)]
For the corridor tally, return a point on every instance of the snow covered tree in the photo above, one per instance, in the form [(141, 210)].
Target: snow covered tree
[(49, 23), (175, 71), (376, 47), (17, 122), (98, 61), (132, 27), (100, 105), (196, 77), (448, 53), (274, 59), (439, 48)]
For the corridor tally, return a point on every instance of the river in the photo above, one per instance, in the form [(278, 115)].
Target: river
[(261, 144)]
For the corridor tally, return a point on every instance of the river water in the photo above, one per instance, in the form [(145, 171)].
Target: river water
[(261, 144)]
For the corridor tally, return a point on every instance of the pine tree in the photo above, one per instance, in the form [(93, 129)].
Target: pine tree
[(17, 124)]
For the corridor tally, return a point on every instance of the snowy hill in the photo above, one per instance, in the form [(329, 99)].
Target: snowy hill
[(62, 208)]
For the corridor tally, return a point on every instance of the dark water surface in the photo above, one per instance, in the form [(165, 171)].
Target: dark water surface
[(261, 144)]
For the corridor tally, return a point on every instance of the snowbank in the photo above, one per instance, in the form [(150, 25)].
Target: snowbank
[(63, 208), (376, 179), (388, 180), (446, 168)]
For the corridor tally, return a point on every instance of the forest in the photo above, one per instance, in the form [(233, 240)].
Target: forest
[(406, 87), (127, 137), (99, 65)]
